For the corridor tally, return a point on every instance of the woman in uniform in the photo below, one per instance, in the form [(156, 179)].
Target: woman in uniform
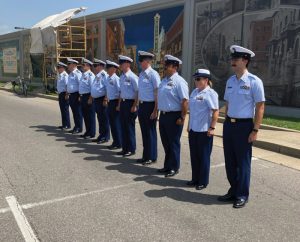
[(204, 112)]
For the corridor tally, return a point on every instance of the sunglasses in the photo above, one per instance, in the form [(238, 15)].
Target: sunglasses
[(199, 79)]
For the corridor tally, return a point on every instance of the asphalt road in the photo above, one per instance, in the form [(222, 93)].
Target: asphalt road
[(69, 189)]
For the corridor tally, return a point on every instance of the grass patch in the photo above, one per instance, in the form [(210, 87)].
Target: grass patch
[(284, 122)]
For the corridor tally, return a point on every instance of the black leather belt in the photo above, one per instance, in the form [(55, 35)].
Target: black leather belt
[(238, 120), (124, 100), (141, 102), (170, 112), (85, 94)]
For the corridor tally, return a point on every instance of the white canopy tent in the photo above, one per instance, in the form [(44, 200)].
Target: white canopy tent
[(43, 34)]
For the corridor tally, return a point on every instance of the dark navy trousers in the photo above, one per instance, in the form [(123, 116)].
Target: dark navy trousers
[(76, 110), (102, 116), (238, 153), (115, 122), (200, 151), (89, 116), (64, 109), (148, 129), (170, 134), (128, 126)]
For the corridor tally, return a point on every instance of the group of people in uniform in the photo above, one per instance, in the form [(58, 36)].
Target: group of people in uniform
[(118, 101)]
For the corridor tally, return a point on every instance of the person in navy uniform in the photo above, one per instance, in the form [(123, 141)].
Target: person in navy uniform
[(204, 112), (73, 95), (87, 104), (173, 96), (61, 86), (128, 106), (149, 81), (98, 93), (244, 96), (112, 86)]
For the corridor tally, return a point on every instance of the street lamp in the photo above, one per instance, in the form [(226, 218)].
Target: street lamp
[(22, 28)]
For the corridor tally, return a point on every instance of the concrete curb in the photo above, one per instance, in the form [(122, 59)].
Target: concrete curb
[(50, 97)]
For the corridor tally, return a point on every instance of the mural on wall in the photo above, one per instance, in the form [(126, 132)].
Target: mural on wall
[(270, 29), (9, 58), (159, 32), (93, 30)]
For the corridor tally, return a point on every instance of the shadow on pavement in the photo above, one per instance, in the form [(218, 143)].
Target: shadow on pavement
[(123, 165)]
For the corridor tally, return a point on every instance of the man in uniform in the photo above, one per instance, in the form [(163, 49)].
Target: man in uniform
[(98, 94), (61, 87), (149, 81), (173, 96), (244, 96), (73, 94), (128, 105), (86, 99), (112, 86)]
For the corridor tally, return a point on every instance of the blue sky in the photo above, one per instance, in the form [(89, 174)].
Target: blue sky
[(26, 13)]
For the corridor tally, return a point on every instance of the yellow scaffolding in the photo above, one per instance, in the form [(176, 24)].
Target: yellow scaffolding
[(70, 43)]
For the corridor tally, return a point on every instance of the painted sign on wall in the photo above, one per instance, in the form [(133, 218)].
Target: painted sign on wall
[(10, 64)]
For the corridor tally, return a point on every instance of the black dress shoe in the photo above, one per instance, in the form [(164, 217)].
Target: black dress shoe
[(60, 127), (76, 131), (171, 173), (162, 170), (191, 183), (200, 187), (226, 198), (65, 128), (148, 162), (113, 147), (95, 140), (142, 160), (126, 154), (121, 152), (102, 141), (240, 202)]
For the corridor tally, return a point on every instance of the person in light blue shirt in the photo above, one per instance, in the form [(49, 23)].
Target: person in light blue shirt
[(149, 81), (73, 94), (61, 83), (244, 96), (112, 86), (173, 96), (98, 93), (204, 111), (87, 104), (128, 106)]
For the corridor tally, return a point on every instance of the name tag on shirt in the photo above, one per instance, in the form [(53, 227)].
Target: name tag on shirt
[(245, 87)]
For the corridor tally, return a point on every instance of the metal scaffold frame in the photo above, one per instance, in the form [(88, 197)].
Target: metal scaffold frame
[(70, 43)]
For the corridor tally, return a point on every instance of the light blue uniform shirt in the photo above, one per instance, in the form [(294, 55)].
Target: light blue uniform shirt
[(201, 104), (62, 81), (85, 84), (172, 90), (128, 85), (242, 95), (112, 86), (73, 81), (98, 85), (149, 80)]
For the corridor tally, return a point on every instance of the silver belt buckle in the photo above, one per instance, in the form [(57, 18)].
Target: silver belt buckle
[(123, 100), (163, 112), (141, 101), (233, 120)]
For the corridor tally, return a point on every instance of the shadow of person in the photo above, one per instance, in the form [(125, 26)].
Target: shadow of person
[(182, 195)]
